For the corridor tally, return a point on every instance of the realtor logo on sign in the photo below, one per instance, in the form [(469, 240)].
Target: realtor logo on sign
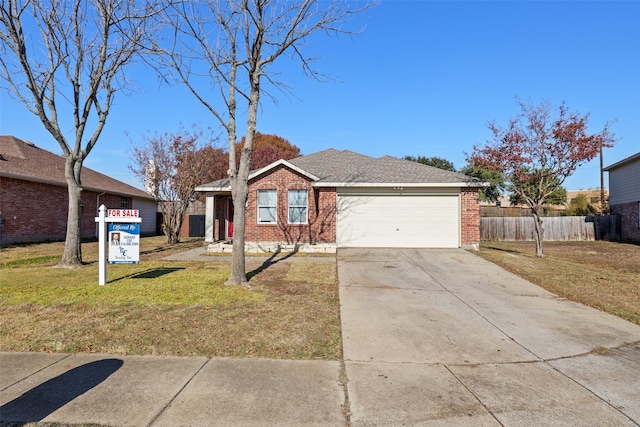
[(124, 243)]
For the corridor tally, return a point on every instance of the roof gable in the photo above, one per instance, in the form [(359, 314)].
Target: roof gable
[(284, 163), (23, 160)]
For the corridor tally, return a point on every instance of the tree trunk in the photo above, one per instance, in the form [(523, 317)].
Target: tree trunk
[(72, 255), (238, 274), (539, 229)]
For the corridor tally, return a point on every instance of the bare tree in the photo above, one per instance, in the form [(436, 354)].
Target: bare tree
[(65, 60), (172, 166), (232, 44)]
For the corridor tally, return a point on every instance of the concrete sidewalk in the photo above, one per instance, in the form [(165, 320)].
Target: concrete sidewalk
[(169, 391), (431, 338)]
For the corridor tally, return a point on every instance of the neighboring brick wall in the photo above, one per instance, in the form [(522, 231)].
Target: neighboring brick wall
[(34, 211), (470, 207), (629, 227), (321, 227)]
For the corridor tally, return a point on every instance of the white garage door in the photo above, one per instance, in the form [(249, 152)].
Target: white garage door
[(398, 221)]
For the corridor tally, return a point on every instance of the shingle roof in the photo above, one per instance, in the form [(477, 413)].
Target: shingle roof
[(348, 168), (23, 160)]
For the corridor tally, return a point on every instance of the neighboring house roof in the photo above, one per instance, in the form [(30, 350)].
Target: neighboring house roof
[(334, 168), (23, 160), (623, 162)]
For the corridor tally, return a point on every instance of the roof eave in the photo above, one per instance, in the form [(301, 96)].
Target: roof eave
[(64, 184), (33, 179), (277, 163), (212, 189), (402, 184), (622, 162)]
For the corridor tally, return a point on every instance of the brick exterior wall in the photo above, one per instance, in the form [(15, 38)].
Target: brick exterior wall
[(321, 210), (470, 208), (321, 227), (629, 225), (34, 211)]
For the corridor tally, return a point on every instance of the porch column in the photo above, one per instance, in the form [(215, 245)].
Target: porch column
[(209, 219)]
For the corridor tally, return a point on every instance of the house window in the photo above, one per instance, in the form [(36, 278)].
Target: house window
[(124, 202), (267, 201), (298, 202)]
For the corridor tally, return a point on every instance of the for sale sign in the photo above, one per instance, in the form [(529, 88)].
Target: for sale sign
[(123, 213), (124, 243)]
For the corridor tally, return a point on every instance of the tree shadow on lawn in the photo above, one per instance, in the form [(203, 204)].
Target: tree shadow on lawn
[(151, 273), (494, 248), (272, 260)]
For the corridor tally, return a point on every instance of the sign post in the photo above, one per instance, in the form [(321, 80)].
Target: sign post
[(124, 238), (102, 232)]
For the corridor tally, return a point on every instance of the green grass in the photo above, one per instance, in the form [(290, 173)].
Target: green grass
[(149, 283), (35, 261)]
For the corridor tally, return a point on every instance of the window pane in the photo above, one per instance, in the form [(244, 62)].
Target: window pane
[(298, 206), (267, 201), (267, 214), (266, 197), (297, 198), (297, 215)]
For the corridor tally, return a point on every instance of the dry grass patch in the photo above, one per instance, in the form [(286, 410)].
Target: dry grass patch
[(604, 275), (169, 307)]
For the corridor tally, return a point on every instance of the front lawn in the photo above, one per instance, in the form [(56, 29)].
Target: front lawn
[(604, 275), (167, 307)]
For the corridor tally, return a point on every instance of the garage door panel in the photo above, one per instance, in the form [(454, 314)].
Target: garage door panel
[(398, 221)]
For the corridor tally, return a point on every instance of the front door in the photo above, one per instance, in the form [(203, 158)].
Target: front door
[(229, 219)]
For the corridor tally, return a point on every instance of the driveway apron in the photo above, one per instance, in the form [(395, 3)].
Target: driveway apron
[(442, 337)]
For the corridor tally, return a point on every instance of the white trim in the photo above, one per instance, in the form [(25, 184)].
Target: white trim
[(284, 163), (204, 189), (227, 188)]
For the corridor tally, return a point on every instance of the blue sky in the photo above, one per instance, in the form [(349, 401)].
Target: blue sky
[(423, 78)]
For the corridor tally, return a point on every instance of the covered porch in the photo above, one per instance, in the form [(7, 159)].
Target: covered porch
[(218, 217)]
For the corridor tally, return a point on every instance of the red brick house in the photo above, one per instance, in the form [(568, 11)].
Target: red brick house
[(34, 199), (351, 200), (624, 195)]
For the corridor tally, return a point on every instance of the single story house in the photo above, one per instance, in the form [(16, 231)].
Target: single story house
[(624, 195), (34, 200), (351, 200)]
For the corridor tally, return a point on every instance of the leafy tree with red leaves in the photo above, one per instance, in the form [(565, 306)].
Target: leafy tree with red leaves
[(268, 149), (536, 153)]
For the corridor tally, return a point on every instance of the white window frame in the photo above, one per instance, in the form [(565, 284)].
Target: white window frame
[(305, 207), (273, 206)]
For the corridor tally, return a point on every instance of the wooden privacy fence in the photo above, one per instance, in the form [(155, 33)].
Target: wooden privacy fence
[(565, 228)]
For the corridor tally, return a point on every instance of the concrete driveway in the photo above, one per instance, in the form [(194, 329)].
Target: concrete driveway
[(442, 337)]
